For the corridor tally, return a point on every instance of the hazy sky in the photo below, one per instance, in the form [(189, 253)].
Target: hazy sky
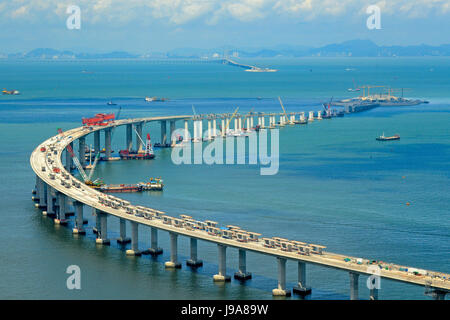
[(142, 26)]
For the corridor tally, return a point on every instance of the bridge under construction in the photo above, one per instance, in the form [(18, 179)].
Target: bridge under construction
[(58, 192)]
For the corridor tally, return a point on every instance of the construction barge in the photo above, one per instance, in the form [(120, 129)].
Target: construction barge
[(154, 184)]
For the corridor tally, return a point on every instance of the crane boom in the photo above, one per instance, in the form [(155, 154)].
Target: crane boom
[(284, 110), (229, 120), (75, 159), (97, 157)]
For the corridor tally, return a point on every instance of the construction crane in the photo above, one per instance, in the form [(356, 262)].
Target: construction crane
[(368, 89), (75, 159), (229, 120), (148, 144), (284, 110)]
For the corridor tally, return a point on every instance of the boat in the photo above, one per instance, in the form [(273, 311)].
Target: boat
[(119, 188), (383, 138), (153, 184), (110, 103), (11, 92), (257, 69), (139, 155), (152, 99)]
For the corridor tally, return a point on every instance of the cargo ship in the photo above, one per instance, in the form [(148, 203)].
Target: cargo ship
[(383, 138), (119, 188)]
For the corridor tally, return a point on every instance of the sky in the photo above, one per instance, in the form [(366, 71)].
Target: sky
[(145, 26)]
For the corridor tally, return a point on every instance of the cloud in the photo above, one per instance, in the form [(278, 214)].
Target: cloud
[(179, 12)]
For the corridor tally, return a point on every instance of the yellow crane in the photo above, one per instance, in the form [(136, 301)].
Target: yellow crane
[(368, 89), (229, 120), (284, 110)]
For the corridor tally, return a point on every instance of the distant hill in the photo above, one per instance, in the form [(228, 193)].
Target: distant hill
[(352, 48)]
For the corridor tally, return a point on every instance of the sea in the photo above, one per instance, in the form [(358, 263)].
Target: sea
[(336, 185)]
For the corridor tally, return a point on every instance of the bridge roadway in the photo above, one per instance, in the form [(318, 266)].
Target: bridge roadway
[(438, 285)]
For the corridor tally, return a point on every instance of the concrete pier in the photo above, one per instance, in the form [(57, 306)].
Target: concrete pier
[(102, 235), (50, 210), (139, 146), (302, 288), (107, 143), (154, 250), (438, 294), (41, 194), (173, 263), (172, 130), (242, 274), (186, 131), (222, 275), (79, 221), (69, 161), (214, 124), (194, 262), (82, 151), (97, 226), (61, 216), (123, 232), (354, 277), (281, 289), (97, 142), (129, 137), (373, 294), (134, 251), (209, 130), (163, 132), (223, 128)]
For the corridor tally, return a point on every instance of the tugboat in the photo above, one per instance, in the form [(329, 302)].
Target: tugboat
[(153, 184), (383, 138)]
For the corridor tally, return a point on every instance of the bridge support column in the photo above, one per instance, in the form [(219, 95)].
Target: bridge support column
[(281, 289), (97, 142), (354, 277), (186, 131), (82, 151), (102, 235), (41, 193), (262, 122), (173, 263), (236, 125), (50, 211), (154, 250), (242, 274), (62, 207), (129, 137), (134, 251), (194, 262), (200, 129), (79, 221), (222, 275), (163, 132), (69, 162), (251, 122), (214, 129), (438, 295), (209, 130), (172, 130), (195, 139), (139, 146), (302, 288), (224, 133), (97, 227), (123, 232), (373, 294), (107, 143)]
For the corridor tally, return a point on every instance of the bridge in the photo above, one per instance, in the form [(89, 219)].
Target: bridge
[(57, 189)]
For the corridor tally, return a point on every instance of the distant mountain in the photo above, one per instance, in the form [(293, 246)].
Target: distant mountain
[(352, 48)]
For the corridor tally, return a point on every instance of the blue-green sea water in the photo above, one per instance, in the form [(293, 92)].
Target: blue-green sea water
[(336, 185)]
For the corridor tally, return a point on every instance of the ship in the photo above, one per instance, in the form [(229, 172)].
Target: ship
[(391, 138), (152, 99), (153, 184), (110, 103), (10, 92), (139, 155)]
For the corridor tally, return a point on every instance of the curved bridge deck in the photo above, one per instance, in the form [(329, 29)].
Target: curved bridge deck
[(434, 281)]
